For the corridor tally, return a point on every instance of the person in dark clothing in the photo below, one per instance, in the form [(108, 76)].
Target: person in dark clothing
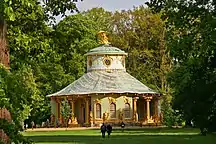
[(103, 130), (122, 126), (109, 130)]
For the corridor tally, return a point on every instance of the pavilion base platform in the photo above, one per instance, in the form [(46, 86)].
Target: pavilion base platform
[(74, 125), (139, 124), (127, 124)]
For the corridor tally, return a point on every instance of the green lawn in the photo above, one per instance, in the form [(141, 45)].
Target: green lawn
[(140, 136)]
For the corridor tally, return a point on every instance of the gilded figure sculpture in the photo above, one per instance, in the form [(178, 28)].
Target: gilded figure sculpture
[(97, 101), (91, 116), (126, 100), (112, 100), (136, 117), (103, 39), (105, 116), (73, 119), (70, 121), (121, 115)]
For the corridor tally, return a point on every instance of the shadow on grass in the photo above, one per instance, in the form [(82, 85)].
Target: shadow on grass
[(125, 139), (159, 130)]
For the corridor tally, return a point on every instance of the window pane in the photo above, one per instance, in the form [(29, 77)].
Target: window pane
[(98, 111), (127, 110), (127, 106), (112, 110)]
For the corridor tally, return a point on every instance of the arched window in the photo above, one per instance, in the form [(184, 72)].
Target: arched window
[(98, 110), (112, 110), (127, 110)]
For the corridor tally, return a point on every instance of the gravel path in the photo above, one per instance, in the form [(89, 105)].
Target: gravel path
[(85, 128)]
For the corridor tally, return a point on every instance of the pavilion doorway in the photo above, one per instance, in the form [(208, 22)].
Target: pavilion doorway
[(82, 114), (141, 109)]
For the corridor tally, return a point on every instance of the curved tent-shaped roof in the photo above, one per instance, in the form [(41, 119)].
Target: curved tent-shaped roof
[(105, 82)]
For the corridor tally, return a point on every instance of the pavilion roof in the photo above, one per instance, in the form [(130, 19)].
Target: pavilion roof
[(105, 82)]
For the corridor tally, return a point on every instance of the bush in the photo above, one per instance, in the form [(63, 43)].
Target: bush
[(171, 117)]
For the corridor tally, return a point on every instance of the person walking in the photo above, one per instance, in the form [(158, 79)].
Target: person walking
[(109, 130), (47, 123), (26, 126), (32, 124), (103, 130), (122, 126)]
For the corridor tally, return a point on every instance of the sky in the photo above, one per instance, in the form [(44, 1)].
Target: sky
[(110, 5)]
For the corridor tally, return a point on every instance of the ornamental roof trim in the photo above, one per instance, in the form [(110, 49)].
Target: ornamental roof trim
[(106, 49)]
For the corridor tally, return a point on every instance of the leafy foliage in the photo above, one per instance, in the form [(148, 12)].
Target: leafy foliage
[(74, 36), (16, 95), (102, 18), (29, 41), (191, 40), (65, 110), (45, 59), (141, 33), (56, 8)]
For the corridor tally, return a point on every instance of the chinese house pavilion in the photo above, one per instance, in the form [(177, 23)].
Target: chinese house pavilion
[(107, 93)]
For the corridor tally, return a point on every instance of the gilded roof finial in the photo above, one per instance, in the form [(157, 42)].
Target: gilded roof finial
[(103, 39)]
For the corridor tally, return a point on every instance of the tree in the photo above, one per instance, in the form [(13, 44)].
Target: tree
[(102, 17), (4, 52), (30, 37), (65, 111), (141, 33), (16, 95), (191, 41), (59, 7), (28, 40), (74, 37)]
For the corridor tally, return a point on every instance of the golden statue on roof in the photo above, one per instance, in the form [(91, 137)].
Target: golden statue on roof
[(103, 39)]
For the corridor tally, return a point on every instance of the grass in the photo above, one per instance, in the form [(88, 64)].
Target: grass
[(139, 136)]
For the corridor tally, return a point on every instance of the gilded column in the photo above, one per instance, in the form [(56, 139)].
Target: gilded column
[(72, 107), (87, 112), (148, 109), (94, 112), (135, 109), (148, 99), (60, 115)]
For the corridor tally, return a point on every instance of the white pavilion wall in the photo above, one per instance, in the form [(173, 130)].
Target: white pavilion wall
[(97, 63), (105, 104), (53, 107)]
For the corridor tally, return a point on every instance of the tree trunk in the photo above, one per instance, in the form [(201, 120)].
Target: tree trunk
[(4, 51)]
